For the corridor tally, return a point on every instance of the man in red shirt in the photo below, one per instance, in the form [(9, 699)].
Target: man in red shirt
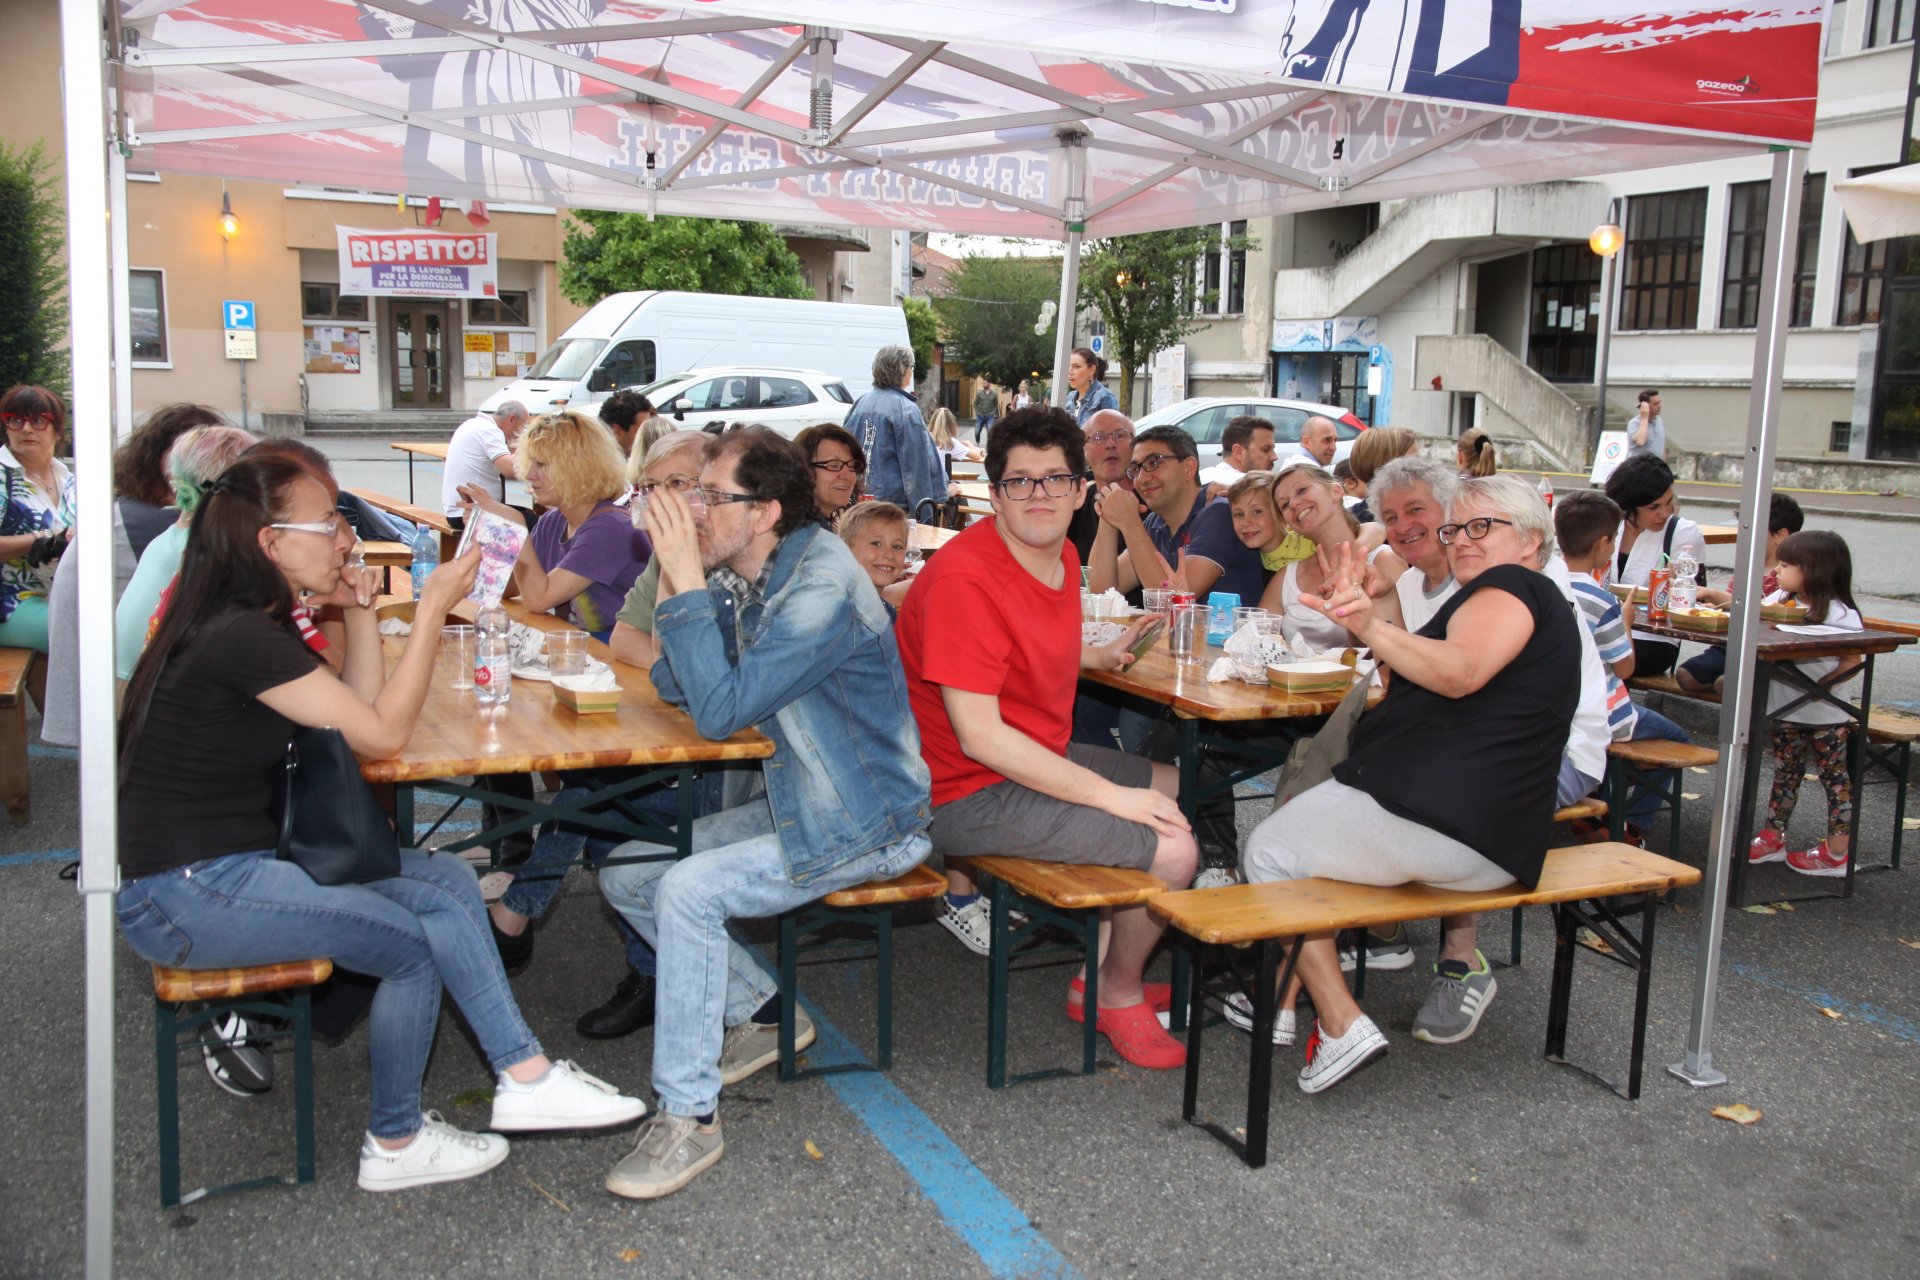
[(990, 640)]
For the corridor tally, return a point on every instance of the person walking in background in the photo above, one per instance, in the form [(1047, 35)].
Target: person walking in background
[(1477, 455), (1646, 430), (902, 466), (1023, 398), (986, 407)]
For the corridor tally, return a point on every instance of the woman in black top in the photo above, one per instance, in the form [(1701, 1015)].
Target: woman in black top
[(208, 713), (1451, 778)]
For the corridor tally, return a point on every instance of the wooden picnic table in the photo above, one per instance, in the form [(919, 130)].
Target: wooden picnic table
[(1778, 650), (928, 537), (1716, 535), (433, 449), (453, 740)]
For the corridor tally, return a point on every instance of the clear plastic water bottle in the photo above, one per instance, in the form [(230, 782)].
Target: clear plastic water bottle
[(492, 659), (1546, 492), (426, 557), (1686, 571)]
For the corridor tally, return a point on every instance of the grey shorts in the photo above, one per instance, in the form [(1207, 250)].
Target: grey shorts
[(1018, 822)]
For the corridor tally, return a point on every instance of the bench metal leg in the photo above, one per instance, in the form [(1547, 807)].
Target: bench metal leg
[(883, 974), (1607, 919), (300, 1009), (1519, 924), (999, 944), (166, 1058), (1643, 988), (1178, 1014), (787, 949), (1195, 992), (1560, 989)]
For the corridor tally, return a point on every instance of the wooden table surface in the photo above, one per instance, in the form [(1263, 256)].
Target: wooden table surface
[(387, 555), (927, 537), (1716, 535), (1184, 687), (424, 448), (452, 739), (1771, 644)]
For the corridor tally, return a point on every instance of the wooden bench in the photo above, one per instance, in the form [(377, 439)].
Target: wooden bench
[(1596, 886), (435, 520), (1889, 746), (241, 991), (1652, 767), (1063, 894), (866, 906), (17, 668)]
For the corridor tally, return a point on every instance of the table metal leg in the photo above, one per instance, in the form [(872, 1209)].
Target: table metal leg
[(1749, 787), (1857, 772)]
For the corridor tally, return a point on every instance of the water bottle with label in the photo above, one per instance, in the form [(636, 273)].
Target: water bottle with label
[(492, 659), (1686, 571), (426, 557)]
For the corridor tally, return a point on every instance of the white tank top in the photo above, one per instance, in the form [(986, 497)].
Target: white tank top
[(1298, 619)]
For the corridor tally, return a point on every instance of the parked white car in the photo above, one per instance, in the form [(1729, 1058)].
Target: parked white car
[(1205, 417), (788, 400)]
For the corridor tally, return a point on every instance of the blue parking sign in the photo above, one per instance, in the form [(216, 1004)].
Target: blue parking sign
[(236, 315)]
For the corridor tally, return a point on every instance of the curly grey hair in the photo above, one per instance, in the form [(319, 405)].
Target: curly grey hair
[(891, 365), (1407, 473)]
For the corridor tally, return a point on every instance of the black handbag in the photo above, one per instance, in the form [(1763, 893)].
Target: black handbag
[(330, 824)]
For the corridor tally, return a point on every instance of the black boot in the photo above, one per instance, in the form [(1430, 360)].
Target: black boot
[(515, 949), (630, 1009)]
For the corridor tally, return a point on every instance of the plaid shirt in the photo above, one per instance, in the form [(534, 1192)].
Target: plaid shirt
[(745, 594)]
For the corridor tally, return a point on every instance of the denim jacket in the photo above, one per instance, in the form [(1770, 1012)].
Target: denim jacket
[(815, 668), (1099, 396), (903, 466)]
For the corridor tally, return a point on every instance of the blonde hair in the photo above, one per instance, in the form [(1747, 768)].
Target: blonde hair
[(1261, 480), (943, 426), (1320, 476), (1478, 457), (1376, 448), (861, 514), (578, 451)]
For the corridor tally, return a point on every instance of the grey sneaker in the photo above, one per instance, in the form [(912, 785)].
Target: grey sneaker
[(1455, 1001), (753, 1045), (672, 1151), (1384, 955)]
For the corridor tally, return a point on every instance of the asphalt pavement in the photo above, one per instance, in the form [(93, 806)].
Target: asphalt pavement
[(1469, 1160)]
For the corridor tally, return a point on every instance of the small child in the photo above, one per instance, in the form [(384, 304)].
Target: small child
[(876, 533), (1353, 490), (1707, 670), (1816, 568), (1584, 523)]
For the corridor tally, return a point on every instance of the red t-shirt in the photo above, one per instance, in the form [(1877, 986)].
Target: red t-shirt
[(976, 620)]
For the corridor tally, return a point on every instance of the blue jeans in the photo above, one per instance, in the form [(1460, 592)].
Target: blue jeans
[(708, 981), (425, 927), (1653, 725)]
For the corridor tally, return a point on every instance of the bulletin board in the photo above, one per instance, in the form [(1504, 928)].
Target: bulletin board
[(498, 353), (332, 349)]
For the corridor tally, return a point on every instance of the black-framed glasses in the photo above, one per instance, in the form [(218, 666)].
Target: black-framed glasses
[(1110, 437), (1057, 485), (1149, 463), (1476, 529), (836, 465), (721, 497)]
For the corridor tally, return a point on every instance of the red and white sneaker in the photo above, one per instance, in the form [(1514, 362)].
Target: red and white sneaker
[(1818, 861), (1766, 847)]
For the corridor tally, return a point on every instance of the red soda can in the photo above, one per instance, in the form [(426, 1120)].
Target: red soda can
[(1181, 600), (1658, 583)]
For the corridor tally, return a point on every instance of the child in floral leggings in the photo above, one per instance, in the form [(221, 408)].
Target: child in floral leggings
[(1816, 568)]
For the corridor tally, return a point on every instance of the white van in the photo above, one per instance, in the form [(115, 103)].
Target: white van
[(633, 339)]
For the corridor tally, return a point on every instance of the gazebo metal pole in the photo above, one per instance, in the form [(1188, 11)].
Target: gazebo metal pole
[(1756, 494), (1073, 154), (90, 300)]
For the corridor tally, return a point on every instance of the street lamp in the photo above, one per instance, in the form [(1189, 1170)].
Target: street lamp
[(229, 222), (1122, 278), (1607, 240)]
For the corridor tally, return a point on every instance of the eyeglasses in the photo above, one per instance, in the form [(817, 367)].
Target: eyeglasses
[(1476, 528), (1110, 437), (836, 465), (1149, 463), (328, 528), (1057, 485), (720, 497), (678, 484), (28, 421)]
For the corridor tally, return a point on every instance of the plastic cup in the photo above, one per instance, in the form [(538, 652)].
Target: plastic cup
[(566, 653), (456, 656), (1246, 614), (1187, 632), (1156, 599)]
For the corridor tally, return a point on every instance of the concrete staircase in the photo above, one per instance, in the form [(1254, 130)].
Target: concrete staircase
[(1515, 402), (415, 424), (1425, 234)]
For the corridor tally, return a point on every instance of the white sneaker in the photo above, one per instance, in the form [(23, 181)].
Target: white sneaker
[(1330, 1061), (565, 1098), (1216, 878), (972, 924), (438, 1153), (1238, 1009)]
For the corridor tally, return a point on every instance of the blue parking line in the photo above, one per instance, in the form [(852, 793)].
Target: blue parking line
[(42, 751), (1819, 997), (973, 1208), (43, 855)]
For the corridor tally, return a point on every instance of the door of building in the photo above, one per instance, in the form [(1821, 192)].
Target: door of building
[(1349, 386), (420, 334), (1563, 327)]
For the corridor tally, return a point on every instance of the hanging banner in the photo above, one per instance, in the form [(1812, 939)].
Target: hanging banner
[(419, 263)]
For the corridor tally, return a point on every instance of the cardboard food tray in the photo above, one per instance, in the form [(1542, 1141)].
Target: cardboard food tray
[(1693, 620), (586, 701), (1783, 613), (1310, 677)]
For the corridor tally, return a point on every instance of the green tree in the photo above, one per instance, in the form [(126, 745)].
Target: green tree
[(1144, 287), (988, 312), (609, 253), (923, 330), (33, 298)]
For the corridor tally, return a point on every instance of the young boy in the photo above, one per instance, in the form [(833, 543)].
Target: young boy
[(1706, 671), (876, 533), (1584, 525)]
